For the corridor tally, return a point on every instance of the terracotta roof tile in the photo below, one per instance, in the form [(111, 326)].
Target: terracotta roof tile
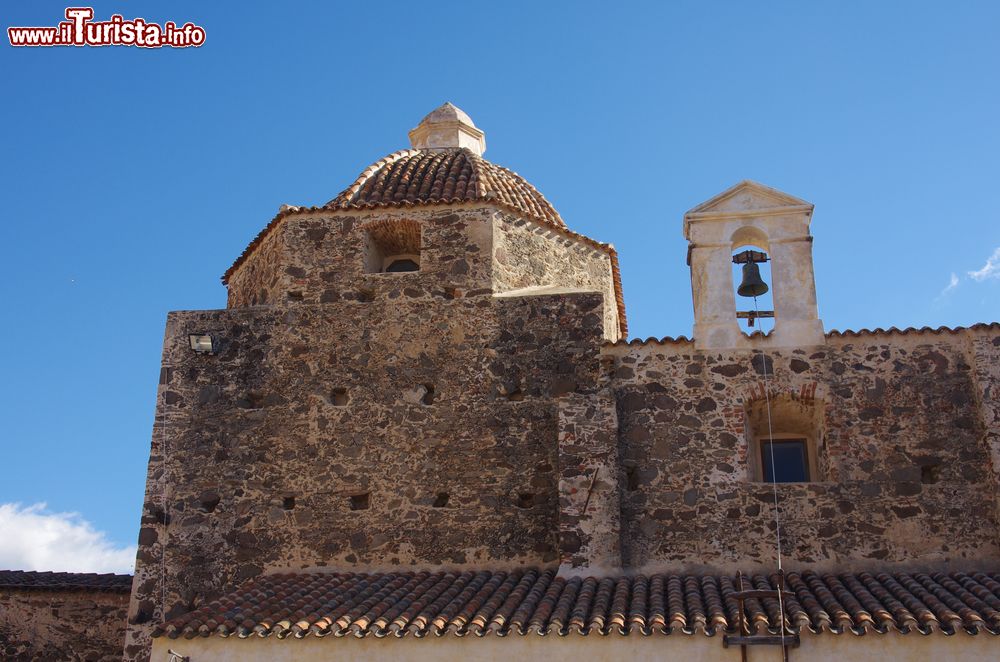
[(539, 602), (981, 326), (413, 177), (64, 581)]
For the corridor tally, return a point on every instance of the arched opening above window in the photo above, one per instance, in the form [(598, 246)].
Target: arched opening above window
[(392, 246)]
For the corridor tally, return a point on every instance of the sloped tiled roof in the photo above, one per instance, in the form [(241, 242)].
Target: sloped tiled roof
[(849, 333), (910, 330), (539, 602), (64, 581), (412, 177)]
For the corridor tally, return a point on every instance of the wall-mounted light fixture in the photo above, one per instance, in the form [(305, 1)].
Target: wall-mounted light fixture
[(202, 343)]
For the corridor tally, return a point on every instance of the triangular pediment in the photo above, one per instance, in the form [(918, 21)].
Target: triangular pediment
[(748, 196)]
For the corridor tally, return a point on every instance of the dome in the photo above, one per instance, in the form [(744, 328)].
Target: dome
[(445, 166), (451, 175)]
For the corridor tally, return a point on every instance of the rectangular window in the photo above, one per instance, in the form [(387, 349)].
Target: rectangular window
[(791, 461)]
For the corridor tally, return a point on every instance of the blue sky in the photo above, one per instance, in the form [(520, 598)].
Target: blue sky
[(132, 178)]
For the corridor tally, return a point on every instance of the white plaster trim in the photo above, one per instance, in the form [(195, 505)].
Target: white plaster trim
[(727, 245), (749, 213), (749, 184)]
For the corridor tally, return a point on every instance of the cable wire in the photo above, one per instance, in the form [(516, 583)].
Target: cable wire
[(774, 485)]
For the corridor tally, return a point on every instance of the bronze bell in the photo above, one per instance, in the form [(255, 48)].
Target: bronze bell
[(752, 285)]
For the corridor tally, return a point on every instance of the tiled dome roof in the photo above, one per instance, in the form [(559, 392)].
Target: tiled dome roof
[(412, 177)]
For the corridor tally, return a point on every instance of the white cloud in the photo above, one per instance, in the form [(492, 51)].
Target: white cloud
[(990, 270), (35, 539), (952, 284)]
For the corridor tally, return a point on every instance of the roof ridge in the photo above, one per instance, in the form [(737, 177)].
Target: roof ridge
[(978, 326), (477, 165), (847, 333)]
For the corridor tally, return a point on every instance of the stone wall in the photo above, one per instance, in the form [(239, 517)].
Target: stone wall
[(260, 279), (321, 257), (985, 360), (526, 255), (589, 497), (905, 470), (62, 625), (358, 435)]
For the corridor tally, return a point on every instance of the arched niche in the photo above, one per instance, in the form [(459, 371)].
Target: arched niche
[(784, 419)]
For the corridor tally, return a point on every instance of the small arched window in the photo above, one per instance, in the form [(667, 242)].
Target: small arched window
[(400, 264), (392, 246)]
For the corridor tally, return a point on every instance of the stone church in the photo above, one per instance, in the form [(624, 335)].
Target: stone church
[(419, 431)]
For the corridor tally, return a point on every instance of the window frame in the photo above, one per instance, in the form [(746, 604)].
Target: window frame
[(764, 457), (784, 416)]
